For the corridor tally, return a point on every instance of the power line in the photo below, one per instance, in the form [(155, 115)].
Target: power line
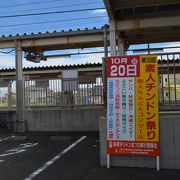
[(27, 4), (59, 27), (52, 12), (55, 7), (7, 52), (47, 22)]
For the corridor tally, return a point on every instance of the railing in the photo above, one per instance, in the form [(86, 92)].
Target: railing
[(169, 81), (7, 93), (63, 92), (85, 91)]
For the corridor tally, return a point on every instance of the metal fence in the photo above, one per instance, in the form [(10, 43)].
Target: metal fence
[(169, 81), (89, 91), (7, 93), (63, 92)]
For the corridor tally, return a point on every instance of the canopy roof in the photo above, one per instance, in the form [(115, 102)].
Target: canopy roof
[(145, 21)]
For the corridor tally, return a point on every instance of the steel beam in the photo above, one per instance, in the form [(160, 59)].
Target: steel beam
[(145, 23)]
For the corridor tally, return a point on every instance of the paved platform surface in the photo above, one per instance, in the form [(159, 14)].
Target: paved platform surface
[(40, 158)]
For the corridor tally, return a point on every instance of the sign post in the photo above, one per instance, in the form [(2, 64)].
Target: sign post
[(132, 106)]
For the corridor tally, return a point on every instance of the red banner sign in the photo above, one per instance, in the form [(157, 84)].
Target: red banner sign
[(132, 108)]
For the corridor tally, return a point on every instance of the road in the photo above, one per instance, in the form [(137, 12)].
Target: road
[(39, 158)]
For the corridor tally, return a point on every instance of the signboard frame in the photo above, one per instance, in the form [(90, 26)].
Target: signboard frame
[(132, 85)]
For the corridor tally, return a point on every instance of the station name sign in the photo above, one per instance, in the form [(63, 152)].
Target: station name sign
[(132, 109)]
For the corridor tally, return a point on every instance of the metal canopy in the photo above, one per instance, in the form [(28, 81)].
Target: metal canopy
[(56, 40), (53, 72), (126, 9), (145, 21)]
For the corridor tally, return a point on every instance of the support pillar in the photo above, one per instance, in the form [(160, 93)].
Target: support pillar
[(19, 124), (104, 70), (112, 35), (121, 47)]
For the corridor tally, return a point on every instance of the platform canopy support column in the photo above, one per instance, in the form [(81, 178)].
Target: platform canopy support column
[(121, 47), (112, 34), (19, 124)]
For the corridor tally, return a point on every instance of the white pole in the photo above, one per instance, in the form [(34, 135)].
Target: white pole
[(157, 163), (108, 161)]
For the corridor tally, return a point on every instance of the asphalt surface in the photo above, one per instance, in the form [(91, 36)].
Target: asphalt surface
[(20, 159)]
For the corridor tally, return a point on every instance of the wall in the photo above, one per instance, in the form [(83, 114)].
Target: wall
[(70, 119), (169, 145)]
